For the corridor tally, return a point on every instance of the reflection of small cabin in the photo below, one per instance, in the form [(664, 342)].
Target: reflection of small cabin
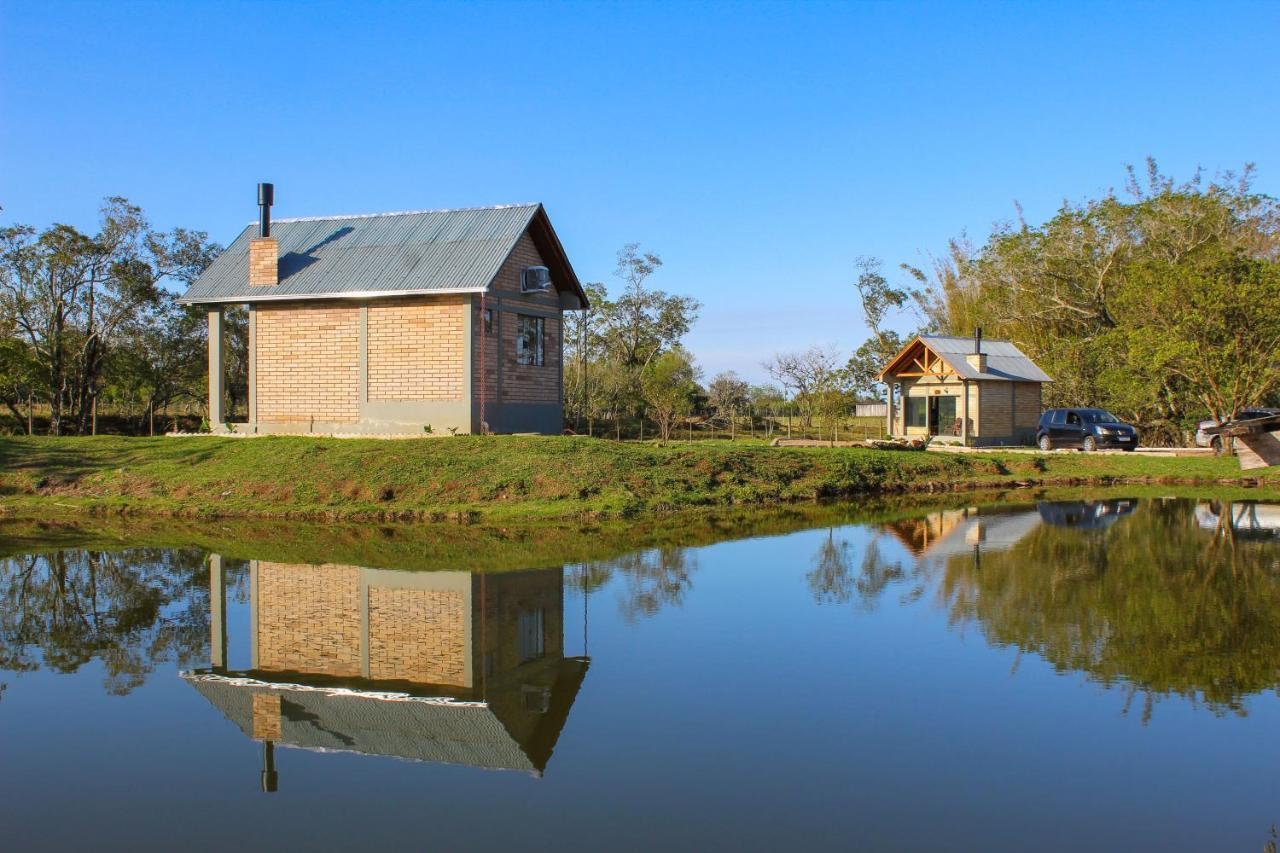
[(452, 667), (964, 390)]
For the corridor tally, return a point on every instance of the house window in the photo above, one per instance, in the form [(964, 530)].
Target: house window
[(529, 630), (917, 409), (488, 322), (529, 333)]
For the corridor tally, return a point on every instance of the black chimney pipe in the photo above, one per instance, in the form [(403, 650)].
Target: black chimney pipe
[(977, 338), (266, 198)]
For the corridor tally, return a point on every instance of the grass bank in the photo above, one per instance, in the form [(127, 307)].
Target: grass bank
[(508, 478)]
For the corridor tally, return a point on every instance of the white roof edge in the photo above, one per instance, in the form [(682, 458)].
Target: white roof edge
[(401, 213), (300, 297)]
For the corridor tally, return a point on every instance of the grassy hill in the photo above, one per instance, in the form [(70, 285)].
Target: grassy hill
[(499, 478)]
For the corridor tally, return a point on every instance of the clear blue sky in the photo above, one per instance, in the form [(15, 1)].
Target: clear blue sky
[(759, 148)]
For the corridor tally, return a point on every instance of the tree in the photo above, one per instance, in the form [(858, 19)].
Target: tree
[(810, 372), (668, 384), (1212, 323), (73, 297), (727, 395)]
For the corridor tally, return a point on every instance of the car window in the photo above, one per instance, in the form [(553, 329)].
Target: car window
[(1097, 416), (1073, 419), (1059, 417)]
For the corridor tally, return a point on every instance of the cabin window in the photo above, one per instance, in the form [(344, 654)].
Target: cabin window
[(488, 322), (529, 334), (917, 408), (530, 633)]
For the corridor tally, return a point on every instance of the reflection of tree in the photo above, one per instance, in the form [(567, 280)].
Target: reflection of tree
[(1154, 602), (130, 610), (832, 580), (654, 579)]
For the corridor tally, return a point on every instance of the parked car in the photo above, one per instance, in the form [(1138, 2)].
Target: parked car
[(1215, 441), (1087, 429)]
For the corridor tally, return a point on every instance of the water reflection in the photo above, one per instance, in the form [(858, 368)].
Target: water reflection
[(130, 610), (450, 667), (1161, 597)]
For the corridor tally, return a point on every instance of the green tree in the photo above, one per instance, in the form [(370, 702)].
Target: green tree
[(668, 384)]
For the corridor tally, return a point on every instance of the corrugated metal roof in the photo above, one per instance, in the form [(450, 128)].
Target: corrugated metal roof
[(1004, 360), (386, 254)]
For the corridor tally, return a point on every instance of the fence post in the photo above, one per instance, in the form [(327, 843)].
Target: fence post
[(30, 410)]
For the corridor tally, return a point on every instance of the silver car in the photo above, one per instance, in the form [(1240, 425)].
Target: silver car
[(1215, 441)]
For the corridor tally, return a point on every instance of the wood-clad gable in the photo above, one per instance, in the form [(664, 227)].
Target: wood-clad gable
[(917, 361)]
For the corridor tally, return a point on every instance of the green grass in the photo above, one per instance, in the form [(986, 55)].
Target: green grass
[(501, 479)]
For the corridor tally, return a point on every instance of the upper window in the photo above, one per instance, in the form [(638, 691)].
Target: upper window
[(529, 345), (531, 634), (488, 322)]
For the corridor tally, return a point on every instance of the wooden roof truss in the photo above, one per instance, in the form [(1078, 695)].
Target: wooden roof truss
[(919, 362)]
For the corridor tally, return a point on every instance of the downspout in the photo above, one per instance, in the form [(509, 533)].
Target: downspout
[(484, 345)]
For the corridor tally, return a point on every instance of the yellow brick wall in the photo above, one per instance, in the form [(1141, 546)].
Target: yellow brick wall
[(309, 618), (264, 261), (416, 348), (308, 362), (417, 635)]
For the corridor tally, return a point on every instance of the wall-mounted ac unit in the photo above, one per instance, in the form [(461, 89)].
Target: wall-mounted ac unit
[(535, 280)]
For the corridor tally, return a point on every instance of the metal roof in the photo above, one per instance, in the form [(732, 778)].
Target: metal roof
[(386, 254), (1004, 360)]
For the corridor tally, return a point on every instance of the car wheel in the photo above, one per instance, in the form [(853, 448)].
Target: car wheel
[(1045, 444), (1089, 444)]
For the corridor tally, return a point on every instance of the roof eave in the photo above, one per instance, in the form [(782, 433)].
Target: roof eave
[(245, 298)]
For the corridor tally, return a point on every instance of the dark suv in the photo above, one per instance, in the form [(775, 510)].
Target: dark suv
[(1087, 429)]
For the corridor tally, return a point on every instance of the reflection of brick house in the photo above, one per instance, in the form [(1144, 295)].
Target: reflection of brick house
[(392, 322), (436, 666)]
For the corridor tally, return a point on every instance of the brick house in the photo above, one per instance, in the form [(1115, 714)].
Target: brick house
[(437, 666), (963, 390), (388, 323)]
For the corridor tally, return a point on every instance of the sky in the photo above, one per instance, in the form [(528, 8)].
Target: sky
[(758, 148)]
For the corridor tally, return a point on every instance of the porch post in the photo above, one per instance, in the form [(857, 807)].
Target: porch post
[(217, 370), (964, 412), (889, 414), (217, 613)]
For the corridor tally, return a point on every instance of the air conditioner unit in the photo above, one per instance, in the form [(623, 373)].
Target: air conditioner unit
[(535, 280)]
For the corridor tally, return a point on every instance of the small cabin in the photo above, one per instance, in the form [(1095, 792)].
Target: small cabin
[(396, 323), (963, 390)]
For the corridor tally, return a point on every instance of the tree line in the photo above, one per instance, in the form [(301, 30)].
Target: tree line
[(88, 317), (1160, 302)]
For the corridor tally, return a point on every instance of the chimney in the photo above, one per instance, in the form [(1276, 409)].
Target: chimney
[(977, 359), (264, 251)]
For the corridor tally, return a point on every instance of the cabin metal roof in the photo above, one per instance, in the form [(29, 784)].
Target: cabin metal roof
[(385, 254), (1005, 362)]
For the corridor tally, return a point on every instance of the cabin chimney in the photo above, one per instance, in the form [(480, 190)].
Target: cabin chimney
[(977, 359), (264, 251)]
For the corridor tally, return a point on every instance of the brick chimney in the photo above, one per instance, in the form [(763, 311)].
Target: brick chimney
[(264, 251), (977, 359)]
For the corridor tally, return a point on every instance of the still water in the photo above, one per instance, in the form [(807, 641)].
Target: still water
[(1039, 675)]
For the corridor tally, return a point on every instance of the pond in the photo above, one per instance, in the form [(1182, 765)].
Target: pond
[(1052, 673)]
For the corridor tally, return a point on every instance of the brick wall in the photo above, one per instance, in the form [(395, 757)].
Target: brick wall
[(520, 383), (308, 362), (417, 635), (416, 349), (264, 261), (309, 618)]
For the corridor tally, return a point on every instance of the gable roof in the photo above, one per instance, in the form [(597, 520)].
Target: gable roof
[(370, 720), (387, 254), (1005, 362)]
